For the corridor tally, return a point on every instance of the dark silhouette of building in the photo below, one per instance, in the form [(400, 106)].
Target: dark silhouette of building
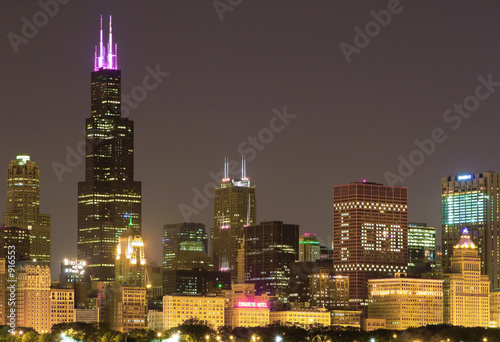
[(195, 281), (270, 247), (17, 237), (183, 238), (109, 200)]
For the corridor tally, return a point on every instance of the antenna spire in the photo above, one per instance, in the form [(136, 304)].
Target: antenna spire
[(225, 168), (110, 61), (243, 167)]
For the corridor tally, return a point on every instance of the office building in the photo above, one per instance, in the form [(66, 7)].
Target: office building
[(346, 318), (370, 234), (406, 302), (303, 317), (87, 315), (109, 199), (309, 249), (234, 208), (155, 320), (270, 247), (183, 237), (23, 206), (177, 309), (33, 296), (244, 308), (62, 306), (466, 292), (195, 281), (421, 248), (72, 271), (17, 237), (329, 290), (3, 291), (125, 309), (495, 308), (472, 201), (130, 267)]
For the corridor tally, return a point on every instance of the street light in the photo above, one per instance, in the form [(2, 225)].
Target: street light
[(207, 337), (218, 338), (278, 339)]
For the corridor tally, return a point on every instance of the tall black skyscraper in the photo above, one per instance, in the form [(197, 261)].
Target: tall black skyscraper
[(109, 200)]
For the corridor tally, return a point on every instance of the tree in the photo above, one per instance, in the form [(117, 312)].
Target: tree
[(30, 336), (192, 330)]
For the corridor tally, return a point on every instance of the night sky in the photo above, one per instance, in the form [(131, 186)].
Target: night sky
[(228, 79)]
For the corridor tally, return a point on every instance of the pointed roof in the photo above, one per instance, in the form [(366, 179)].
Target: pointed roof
[(465, 240)]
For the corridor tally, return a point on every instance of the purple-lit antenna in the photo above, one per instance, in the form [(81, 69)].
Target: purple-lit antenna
[(110, 62)]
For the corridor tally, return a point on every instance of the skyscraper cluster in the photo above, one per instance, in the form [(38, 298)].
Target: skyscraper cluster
[(381, 271)]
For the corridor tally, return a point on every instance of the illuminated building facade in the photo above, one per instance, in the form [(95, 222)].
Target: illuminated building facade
[(62, 306), (33, 296), (109, 198), (244, 308), (234, 208), (495, 308), (302, 317), (17, 237), (130, 268), (23, 206), (72, 271), (183, 237), (3, 291), (126, 309), (473, 201), (86, 315), (270, 248), (155, 320), (406, 302), (421, 248), (346, 318), (309, 249), (329, 290), (177, 309), (465, 291), (370, 234)]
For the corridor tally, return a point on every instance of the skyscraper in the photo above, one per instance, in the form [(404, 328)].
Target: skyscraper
[(235, 208), (130, 266), (270, 248), (309, 248), (185, 244), (473, 201), (466, 292), (421, 248), (109, 199), (370, 234), (23, 206)]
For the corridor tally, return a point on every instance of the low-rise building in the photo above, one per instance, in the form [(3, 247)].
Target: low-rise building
[(126, 307), (87, 315), (177, 309), (346, 318), (371, 324), (62, 306), (245, 309), (406, 302), (155, 320), (495, 308), (302, 317)]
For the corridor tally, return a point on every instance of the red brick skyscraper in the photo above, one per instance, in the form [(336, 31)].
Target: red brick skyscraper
[(370, 234)]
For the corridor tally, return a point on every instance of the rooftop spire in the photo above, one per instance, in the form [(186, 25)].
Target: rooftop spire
[(110, 62), (243, 167)]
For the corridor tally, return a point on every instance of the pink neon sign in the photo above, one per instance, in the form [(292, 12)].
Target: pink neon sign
[(261, 305)]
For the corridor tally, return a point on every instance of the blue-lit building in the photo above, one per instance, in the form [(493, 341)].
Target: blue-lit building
[(472, 201)]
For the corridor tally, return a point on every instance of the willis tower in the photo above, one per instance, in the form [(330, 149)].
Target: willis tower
[(109, 200)]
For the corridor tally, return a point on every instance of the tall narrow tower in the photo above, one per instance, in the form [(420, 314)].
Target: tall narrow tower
[(235, 208), (109, 198), (23, 206)]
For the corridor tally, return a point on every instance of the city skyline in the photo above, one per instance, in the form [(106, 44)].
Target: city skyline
[(233, 74)]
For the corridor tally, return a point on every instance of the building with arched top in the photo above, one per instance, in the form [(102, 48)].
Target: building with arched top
[(465, 290)]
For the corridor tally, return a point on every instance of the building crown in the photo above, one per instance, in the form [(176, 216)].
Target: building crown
[(465, 240)]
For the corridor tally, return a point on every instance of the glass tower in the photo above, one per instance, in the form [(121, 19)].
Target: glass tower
[(109, 200), (23, 206), (234, 208), (472, 201)]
